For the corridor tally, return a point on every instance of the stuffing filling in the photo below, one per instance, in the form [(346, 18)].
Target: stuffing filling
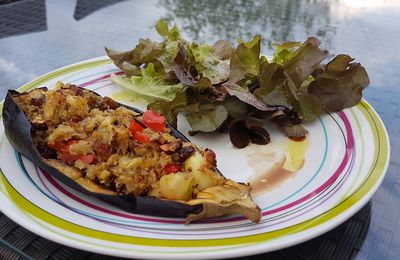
[(113, 146)]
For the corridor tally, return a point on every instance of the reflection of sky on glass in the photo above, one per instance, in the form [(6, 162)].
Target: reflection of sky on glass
[(363, 28)]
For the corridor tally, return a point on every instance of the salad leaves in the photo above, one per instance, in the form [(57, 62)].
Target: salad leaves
[(340, 85), (244, 61), (207, 118), (221, 87), (149, 85)]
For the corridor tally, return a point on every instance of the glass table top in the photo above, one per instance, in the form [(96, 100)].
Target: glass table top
[(38, 36)]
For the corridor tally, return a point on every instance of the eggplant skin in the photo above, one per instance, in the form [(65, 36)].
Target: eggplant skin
[(18, 132)]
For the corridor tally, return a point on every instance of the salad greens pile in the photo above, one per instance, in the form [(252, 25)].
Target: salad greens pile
[(235, 89)]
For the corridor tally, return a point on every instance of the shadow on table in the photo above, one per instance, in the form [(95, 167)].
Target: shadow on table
[(20, 17), (84, 8), (27, 16)]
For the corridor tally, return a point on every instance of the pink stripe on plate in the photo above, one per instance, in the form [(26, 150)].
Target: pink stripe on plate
[(85, 84)]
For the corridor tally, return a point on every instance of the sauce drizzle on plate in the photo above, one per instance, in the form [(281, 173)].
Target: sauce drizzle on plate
[(274, 164)]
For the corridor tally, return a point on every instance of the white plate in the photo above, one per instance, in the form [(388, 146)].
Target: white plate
[(346, 160)]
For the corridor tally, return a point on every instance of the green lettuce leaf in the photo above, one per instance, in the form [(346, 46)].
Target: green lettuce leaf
[(150, 85), (183, 65), (285, 82), (222, 49), (309, 107), (207, 118), (277, 88), (146, 51), (244, 94), (340, 86), (306, 105), (285, 51), (307, 59), (172, 44), (236, 108), (168, 55), (209, 65), (167, 33), (123, 61), (202, 85), (271, 89), (245, 60)]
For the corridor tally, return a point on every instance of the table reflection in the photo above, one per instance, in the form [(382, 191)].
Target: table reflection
[(276, 21), (19, 17)]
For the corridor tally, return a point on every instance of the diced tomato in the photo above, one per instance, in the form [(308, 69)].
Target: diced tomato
[(63, 146), (89, 158), (135, 127), (156, 122), (172, 168), (141, 137), (67, 157)]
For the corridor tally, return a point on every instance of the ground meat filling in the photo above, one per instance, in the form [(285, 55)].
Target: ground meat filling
[(94, 134)]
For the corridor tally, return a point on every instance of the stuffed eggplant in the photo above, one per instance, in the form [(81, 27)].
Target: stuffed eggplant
[(120, 155)]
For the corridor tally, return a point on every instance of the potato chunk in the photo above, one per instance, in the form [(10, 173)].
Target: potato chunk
[(199, 167), (177, 186)]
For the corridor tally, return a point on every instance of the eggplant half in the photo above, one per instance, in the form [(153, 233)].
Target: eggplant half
[(171, 176)]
